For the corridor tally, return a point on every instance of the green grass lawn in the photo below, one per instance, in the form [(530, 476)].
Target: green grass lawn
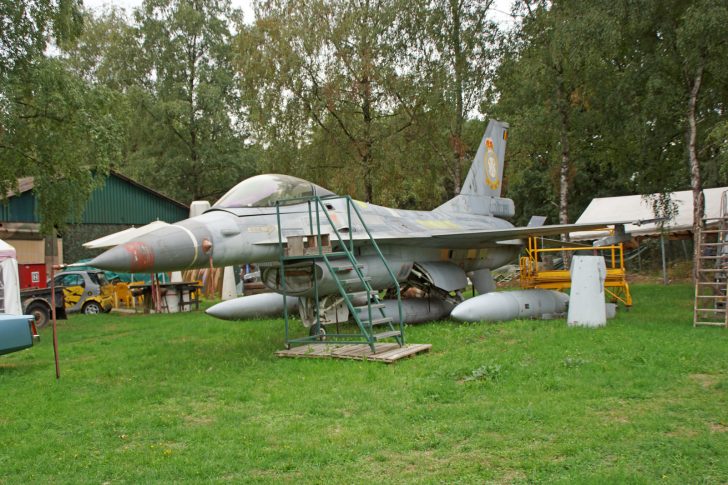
[(188, 398)]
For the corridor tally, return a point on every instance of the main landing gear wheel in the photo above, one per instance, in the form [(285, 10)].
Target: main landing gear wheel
[(321, 332)]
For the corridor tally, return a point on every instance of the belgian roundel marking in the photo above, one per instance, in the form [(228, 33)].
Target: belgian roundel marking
[(491, 165)]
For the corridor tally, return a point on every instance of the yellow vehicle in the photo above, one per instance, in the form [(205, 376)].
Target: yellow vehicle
[(86, 291)]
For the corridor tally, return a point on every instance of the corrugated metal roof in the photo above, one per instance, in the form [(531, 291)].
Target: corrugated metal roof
[(637, 207), (120, 201), (24, 185)]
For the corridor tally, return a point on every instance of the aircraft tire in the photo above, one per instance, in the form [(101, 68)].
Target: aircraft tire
[(321, 334)]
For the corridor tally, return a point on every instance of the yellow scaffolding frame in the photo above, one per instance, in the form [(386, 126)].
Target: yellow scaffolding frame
[(615, 284)]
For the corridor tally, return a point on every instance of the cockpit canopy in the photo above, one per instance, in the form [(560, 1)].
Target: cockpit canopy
[(266, 190)]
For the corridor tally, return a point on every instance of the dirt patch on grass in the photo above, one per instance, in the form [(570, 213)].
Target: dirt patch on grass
[(623, 411), (620, 418), (616, 416), (198, 420), (682, 433), (511, 476), (415, 463), (718, 427), (706, 381)]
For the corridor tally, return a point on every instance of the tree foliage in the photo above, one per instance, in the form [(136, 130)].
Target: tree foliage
[(370, 88), (53, 126), (609, 83), (327, 72), (193, 143), (185, 122), (553, 87), (453, 57)]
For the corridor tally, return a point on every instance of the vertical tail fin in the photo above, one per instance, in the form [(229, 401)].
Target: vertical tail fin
[(486, 173)]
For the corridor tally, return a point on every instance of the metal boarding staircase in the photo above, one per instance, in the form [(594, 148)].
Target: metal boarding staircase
[(711, 272), (317, 247)]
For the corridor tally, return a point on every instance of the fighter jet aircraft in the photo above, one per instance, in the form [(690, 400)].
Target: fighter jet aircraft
[(432, 251)]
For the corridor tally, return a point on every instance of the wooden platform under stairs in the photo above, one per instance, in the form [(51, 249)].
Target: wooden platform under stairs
[(384, 352)]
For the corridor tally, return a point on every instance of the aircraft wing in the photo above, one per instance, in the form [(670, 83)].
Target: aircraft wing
[(488, 237), (497, 235), (472, 239)]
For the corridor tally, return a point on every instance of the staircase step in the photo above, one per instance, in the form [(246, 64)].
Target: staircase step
[(354, 281), (337, 254), (712, 310), (375, 306), (357, 294), (350, 267), (379, 321), (383, 335), (315, 256), (712, 324)]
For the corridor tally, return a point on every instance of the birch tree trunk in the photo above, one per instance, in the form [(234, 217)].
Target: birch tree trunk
[(695, 180), (564, 168)]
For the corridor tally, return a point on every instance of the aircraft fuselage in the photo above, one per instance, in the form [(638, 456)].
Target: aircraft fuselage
[(250, 235)]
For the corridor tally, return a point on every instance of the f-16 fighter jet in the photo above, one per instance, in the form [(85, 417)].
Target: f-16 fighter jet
[(433, 251)]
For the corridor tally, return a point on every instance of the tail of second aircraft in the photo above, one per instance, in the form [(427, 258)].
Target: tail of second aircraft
[(481, 190)]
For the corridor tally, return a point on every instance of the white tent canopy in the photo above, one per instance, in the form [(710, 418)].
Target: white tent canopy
[(124, 236), (9, 281), (638, 208), (6, 250)]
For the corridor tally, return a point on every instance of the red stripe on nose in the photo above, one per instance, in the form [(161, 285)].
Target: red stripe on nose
[(142, 256)]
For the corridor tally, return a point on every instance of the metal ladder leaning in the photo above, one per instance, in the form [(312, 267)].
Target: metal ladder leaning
[(368, 317), (711, 273)]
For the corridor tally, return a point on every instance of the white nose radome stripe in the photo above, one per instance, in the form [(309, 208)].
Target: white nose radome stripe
[(194, 243)]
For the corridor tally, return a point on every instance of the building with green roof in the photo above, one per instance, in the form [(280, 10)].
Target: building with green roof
[(119, 204)]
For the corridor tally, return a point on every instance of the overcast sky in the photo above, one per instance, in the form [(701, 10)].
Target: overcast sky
[(500, 11)]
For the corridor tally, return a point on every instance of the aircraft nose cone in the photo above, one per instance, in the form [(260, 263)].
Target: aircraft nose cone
[(169, 248), (119, 258)]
